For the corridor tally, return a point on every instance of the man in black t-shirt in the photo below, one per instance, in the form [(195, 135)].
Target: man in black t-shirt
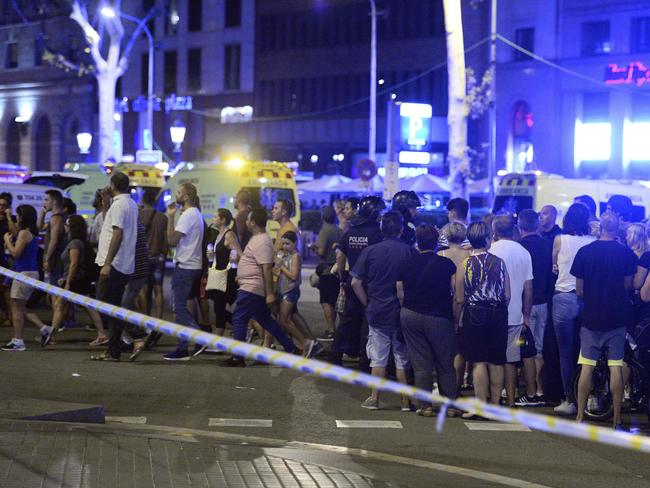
[(604, 272), (364, 231)]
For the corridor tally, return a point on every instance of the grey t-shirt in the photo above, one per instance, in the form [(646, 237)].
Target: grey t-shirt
[(328, 237), (65, 258)]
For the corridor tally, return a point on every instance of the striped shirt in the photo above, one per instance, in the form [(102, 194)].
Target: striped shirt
[(141, 254)]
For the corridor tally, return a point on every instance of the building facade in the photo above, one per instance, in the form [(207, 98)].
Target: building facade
[(42, 107), (588, 113)]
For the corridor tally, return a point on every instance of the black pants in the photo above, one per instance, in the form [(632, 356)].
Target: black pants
[(352, 331), (110, 290)]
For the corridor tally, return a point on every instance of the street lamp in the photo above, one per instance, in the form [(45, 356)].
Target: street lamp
[(110, 13), (84, 141), (177, 132)]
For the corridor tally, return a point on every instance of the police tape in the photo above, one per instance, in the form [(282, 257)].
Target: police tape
[(545, 423)]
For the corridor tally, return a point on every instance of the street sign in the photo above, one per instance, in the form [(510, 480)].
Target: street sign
[(391, 179), (148, 157)]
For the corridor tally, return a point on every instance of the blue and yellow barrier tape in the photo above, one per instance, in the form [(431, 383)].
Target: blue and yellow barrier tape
[(545, 423)]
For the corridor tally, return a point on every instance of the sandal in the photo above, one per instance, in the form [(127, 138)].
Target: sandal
[(138, 347), (104, 357), (425, 412), (100, 341)]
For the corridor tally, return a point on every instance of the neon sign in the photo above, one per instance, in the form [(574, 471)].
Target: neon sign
[(636, 73)]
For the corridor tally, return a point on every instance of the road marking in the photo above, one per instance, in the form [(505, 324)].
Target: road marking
[(497, 426), (369, 424), (126, 420), (213, 422)]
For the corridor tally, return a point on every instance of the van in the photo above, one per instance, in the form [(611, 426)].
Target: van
[(519, 191), (25, 194), (217, 185), (141, 177)]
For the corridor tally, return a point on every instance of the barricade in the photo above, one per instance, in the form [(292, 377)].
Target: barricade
[(545, 423)]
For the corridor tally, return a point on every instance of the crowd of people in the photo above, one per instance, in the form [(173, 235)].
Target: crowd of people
[(465, 304)]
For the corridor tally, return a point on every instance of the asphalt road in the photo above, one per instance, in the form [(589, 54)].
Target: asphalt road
[(203, 397)]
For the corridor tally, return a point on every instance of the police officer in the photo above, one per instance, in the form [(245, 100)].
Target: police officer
[(364, 231), (407, 203)]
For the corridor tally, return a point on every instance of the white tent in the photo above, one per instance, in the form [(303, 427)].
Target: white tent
[(324, 184), (479, 186), (374, 185), (425, 183)]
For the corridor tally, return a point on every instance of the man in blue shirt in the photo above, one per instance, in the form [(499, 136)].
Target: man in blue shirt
[(377, 271)]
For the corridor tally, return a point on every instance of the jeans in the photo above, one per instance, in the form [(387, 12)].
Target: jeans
[(537, 322), (110, 289), (250, 306), (566, 309), (182, 282), (431, 343)]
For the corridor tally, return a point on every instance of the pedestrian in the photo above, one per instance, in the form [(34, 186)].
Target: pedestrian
[(548, 229), (457, 211), (377, 271), (590, 203), (69, 207), (407, 204), (351, 334), (425, 287), (54, 234), (24, 251), (242, 204), (256, 291), (6, 225), (116, 256), (98, 218), (520, 275), (187, 237), (637, 241), (328, 283), (622, 206), (226, 250), (289, 266), (541, 254), (481, 311), (567, 305), (604, 270), (76, 278), (349, 211)]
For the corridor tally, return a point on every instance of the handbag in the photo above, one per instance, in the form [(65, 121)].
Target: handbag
[(217, 278)]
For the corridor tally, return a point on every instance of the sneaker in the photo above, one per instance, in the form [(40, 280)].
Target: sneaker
[(250, 335), (370, 404), (528, 401), (565, 408), (233, 362), (540, 399), (316, 350), (198, 350), (177, 355), (14, 346), (327, 337), (308, 348), (46, 335), (621, 428)]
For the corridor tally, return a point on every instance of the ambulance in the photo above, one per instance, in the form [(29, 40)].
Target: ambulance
[(519, 191), (217, 184)]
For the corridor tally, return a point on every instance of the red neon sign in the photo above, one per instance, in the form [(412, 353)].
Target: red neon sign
[(636, 73)]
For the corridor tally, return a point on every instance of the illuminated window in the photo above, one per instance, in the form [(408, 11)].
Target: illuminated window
[(595, 38), (11, 55), (640, 35), (637, 141), (526, 39), (593, 141)]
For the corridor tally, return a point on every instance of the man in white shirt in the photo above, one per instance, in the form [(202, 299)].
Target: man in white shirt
[(116, 255), (520, 272), (187, 237)]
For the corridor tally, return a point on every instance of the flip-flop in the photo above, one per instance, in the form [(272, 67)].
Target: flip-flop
[(104, 357)]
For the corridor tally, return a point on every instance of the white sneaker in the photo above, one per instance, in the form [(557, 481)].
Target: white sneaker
[(565, 408)]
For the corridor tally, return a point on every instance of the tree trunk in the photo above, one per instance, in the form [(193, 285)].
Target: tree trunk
[(106, 91), (457, 111)]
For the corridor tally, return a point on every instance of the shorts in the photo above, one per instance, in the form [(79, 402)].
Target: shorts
[(82, 287), (537, 323), (156, 270), (329, 286), (519, 346), (484, 333), (21, 291), (292, 296), (379, 346), (594, 342)]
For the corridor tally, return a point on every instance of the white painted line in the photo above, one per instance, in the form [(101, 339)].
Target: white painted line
[(496, 426), (369, 424), (126, 420), (240, 422)]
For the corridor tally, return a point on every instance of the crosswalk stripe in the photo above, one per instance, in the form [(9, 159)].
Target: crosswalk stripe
[(126, 420), (369, 424), (216, 422), (496, 426)]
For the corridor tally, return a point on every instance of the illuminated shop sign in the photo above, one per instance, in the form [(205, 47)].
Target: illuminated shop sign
[(415, 126), (635, 73)]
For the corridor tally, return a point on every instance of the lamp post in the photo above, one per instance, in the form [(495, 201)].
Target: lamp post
[(372, 138), (84, 141), (109, 13), (177, 132)]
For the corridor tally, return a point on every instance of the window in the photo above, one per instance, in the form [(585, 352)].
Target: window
[(640, 35), (595, 107), (144, 73), (233, 13), (11, 55), (170, 71), (172, 18), (595, 38), (526, 39), (194, 15), (194, 69), (39, 49), (231, 68)]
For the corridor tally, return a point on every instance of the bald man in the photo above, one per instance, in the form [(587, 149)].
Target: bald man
[(548, 229)]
